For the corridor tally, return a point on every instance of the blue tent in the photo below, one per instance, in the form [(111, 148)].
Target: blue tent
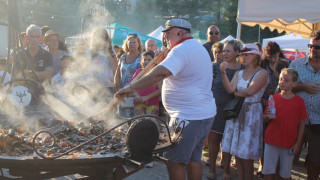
[(118, 34)]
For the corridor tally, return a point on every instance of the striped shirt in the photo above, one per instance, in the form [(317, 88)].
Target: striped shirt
[(307, 75)]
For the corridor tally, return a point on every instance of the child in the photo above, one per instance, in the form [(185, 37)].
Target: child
[(284, 134), (277, 70), (146, 101), (59, 80), (217, 50)]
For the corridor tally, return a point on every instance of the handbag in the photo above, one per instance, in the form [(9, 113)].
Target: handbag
[(233, 107)]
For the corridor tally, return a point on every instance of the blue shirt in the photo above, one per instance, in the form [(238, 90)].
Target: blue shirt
[(307, 75)]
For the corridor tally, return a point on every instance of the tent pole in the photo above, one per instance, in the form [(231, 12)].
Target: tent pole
[(259, 34), (239, 31)]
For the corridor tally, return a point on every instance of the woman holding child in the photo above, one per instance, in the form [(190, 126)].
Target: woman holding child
[(243, 135)]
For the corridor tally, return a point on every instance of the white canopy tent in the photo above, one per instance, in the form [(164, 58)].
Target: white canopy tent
[(296, 16), (289, 42), (156, 33), (227, 39)]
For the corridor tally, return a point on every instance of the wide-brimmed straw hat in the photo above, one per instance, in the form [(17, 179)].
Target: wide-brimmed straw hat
[(50, 33), (250, 49)]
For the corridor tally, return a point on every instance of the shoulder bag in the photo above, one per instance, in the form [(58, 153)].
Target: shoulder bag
[(233, 107)]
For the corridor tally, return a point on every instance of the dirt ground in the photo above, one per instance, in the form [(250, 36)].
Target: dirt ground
[(159, 172)]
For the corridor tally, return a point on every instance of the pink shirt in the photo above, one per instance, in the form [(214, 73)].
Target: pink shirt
[(143, 92)]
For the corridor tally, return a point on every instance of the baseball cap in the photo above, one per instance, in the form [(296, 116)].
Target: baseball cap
[(178, 23), (250, 48)]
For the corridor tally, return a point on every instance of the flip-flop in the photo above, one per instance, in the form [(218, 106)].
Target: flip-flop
[(259, 175), (207, 162), (211, 175)]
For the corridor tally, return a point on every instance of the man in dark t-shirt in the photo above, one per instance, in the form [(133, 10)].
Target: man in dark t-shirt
[(35, 58), (213, 36)]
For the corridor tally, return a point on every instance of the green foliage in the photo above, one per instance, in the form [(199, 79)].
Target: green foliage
[(68, 16)]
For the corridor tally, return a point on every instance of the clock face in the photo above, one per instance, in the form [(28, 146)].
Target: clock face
[(20, 96)]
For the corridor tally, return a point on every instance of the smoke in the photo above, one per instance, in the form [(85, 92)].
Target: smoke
[(81, 96), (95, 15)]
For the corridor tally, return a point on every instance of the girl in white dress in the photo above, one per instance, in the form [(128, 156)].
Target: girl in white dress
[(243, 135)]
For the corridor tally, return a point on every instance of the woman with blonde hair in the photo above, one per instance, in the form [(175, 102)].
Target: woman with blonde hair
[(243, 135), (127, 66), (231, 50), (102, 63)]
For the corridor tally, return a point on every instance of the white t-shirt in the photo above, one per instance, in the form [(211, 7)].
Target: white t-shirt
[(187, 93)]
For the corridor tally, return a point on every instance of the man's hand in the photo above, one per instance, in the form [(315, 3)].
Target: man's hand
[(125, 91), (311, 88)]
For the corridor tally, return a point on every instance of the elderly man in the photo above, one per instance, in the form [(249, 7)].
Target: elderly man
[(213, 36), (151, 45), (187, 77), (39, 59), (309, 89)]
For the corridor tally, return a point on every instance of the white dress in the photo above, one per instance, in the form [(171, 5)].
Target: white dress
[(245, 141)]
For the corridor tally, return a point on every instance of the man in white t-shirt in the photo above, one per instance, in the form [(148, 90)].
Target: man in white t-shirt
[(186, 94)]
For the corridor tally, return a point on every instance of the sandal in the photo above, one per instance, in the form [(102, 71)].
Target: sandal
[(211, 175), (259, 175), (221, 165), (207, 162), (226, 176)]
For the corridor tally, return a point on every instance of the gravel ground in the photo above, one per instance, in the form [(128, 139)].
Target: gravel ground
[(159, 172)]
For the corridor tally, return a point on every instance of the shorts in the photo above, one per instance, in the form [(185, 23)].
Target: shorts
[(271, 156), (190, 147), (313, 147)]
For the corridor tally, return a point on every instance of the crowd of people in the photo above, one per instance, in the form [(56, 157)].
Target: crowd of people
[(194, 83)]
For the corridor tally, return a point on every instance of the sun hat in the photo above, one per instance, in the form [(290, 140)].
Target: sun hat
[(50, 33), (250, 49), (178, 23)]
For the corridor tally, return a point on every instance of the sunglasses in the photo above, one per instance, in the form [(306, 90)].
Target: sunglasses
[(216, 33), (313, 46), (245, 49)]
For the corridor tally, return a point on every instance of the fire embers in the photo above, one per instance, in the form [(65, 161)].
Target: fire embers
[(64, 136), (14, 144)]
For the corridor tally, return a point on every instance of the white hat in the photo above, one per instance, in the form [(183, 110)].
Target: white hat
[(178, 23), (251, 48)]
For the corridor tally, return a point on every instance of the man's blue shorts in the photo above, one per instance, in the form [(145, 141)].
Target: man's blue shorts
[(193, 136)]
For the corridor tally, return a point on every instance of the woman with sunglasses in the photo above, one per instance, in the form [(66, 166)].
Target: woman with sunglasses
[(242, 136), (231, 50), (127, 66)]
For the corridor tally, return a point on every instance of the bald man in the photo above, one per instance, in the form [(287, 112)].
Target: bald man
[(151, 45), (213, 36)]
